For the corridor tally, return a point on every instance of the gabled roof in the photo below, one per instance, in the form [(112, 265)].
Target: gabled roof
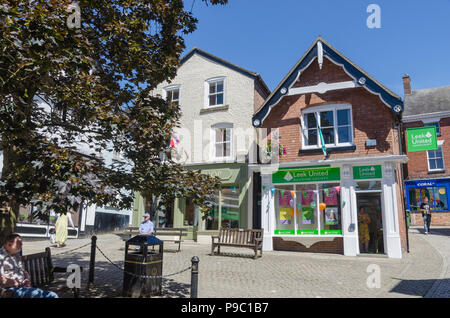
[(225, 63), (362, 78), (425, 101)]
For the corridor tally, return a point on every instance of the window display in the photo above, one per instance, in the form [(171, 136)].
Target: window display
[(226, 208), (437, 197), (284, 210), (330, 209), (298, 207)]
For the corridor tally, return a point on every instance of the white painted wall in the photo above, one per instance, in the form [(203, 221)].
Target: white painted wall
[(195, 129)]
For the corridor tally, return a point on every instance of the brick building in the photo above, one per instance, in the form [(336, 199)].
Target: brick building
[(428, 172), (312, 197)]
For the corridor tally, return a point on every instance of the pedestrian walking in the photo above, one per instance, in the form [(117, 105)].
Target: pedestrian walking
[(426, 214), (61, 228)]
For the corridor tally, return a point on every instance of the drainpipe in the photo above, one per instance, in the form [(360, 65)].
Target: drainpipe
[(400, 136)]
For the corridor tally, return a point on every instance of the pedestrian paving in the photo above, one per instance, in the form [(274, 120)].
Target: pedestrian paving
[(424, 272)]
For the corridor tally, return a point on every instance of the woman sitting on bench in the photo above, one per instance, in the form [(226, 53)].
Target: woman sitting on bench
[(14, 280)]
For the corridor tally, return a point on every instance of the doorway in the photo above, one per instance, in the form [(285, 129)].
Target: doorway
[(370, 223)]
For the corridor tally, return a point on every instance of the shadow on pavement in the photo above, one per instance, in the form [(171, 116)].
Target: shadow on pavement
[(417, 287)]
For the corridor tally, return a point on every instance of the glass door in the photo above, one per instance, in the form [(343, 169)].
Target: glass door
[(370, 222)]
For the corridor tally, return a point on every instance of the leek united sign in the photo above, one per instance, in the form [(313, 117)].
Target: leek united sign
[(423, 138)]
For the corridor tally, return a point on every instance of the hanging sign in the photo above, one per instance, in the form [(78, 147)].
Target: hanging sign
[(422, 138), (367, 172), (306, 175)]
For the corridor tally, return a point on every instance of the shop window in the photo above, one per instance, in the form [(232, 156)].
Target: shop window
[(225, 210), (230, 207), (437, 198), (190, 213), (330, 209), (335, 124), (284, 210), (306, 207), (435, 159)]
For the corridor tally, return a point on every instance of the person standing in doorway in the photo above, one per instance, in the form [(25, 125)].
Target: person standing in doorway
[(426, 213), (61, 228), (364, 236)]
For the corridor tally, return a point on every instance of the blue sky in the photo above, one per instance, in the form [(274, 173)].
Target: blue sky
[(269, 37)]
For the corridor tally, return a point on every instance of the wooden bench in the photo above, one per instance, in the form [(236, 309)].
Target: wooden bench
[(252, 239), (176, 233), (41, 269)]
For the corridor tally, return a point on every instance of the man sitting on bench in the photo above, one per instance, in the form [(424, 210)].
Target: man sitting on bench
[(14, 280)]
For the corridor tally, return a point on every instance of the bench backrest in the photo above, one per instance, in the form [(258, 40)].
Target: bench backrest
[(170, 231), (40, 268), (239, 236)]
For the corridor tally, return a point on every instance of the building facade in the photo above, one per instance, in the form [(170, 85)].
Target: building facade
[(314, 197), (427, 173), (217, 100)]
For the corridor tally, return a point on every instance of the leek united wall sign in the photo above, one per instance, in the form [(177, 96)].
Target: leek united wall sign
[(423, 138), (296, 175)]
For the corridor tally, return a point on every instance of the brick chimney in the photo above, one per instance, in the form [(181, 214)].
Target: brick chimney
[(407, 84)]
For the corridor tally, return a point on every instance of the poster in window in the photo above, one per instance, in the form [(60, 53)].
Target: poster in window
[(331, 216), (330, 196), (307, 215), (286, 216), (308, 197)]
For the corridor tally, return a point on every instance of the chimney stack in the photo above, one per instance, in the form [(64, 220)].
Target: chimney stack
[(407, 84)]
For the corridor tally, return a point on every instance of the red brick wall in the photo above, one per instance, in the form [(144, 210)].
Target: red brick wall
[(437, 218), (372, 119), (417, 167)]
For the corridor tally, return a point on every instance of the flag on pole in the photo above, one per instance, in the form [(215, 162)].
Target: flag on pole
[(322, 142)]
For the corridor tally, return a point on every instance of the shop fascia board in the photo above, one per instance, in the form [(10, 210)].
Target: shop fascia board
[(270, 168)]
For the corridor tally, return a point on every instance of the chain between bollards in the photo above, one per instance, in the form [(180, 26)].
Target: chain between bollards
[(194, 277)]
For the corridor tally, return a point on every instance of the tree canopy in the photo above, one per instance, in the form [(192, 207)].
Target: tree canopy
[(75, 83)]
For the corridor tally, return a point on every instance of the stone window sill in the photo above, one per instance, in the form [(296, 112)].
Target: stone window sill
[(214, 109)]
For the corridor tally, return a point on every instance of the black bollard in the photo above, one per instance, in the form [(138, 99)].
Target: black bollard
[(92, 260), (194, 277)]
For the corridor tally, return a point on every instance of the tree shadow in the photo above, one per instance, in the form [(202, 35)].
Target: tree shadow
[(108, 280)]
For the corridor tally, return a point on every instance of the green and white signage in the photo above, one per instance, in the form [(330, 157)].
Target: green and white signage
[(422, 138), (367, 172), (307, 175)]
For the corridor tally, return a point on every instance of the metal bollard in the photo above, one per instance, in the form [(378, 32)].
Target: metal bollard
[(194, 277), (92, 260)]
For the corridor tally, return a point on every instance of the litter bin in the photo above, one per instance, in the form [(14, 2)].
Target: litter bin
[(144, 259)]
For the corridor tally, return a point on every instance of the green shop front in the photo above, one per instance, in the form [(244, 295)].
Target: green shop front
[(319, 208), (229, 207)]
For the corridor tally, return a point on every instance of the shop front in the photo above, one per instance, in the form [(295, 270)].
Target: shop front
[(229, 207), (337, 208), (436, 190)]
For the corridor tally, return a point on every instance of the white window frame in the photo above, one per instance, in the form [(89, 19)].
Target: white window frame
[(443, 162), (172, 88), (206, 91), (213, 140), (317, 110)]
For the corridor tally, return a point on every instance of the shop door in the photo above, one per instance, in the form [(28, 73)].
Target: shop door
[(191, 220), (370, 223)]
